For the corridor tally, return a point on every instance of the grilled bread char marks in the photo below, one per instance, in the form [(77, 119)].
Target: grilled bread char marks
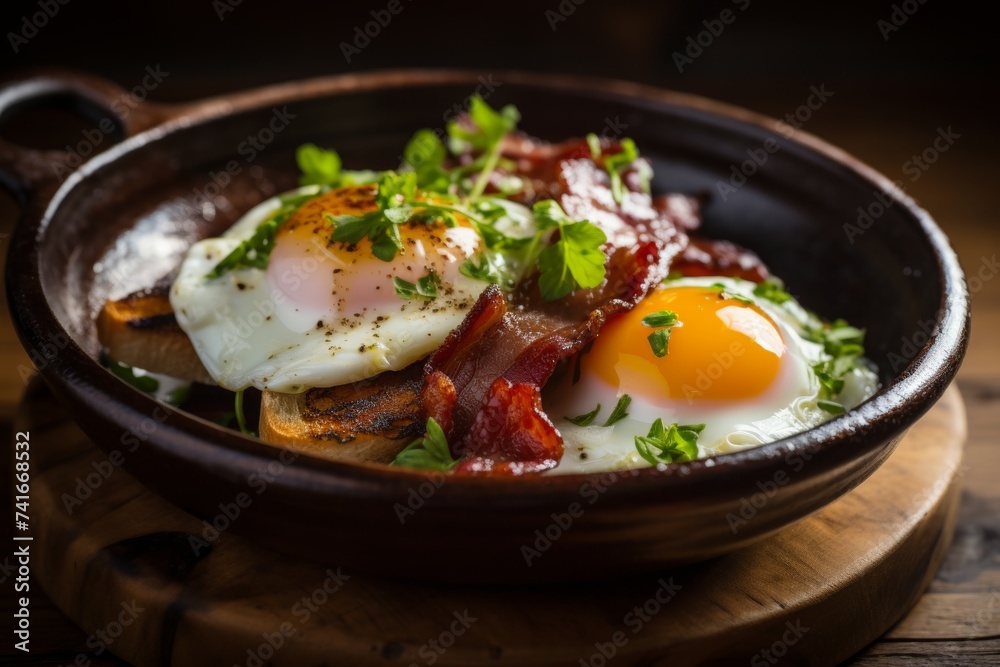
[(368, 421), (141, 330)]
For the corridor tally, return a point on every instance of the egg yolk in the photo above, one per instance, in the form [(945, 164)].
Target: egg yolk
[(720, 349), (311, 270)]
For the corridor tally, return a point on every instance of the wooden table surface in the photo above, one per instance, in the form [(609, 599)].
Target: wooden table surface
[(957, 622)]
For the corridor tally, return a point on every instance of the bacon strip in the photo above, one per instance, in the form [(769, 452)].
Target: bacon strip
[(483, 385)]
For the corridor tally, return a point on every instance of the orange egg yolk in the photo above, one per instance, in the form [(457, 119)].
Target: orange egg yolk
[(720, 349), (310, 270)]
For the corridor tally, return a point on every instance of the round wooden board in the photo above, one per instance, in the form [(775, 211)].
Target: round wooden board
[(123, 565)]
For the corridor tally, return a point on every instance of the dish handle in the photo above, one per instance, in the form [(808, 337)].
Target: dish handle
[(116, 113)]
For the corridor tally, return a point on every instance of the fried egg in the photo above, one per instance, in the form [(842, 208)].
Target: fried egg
[(321, 313), (737, 363)]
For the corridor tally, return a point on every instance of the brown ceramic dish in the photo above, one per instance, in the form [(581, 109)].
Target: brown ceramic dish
[(133, 210)]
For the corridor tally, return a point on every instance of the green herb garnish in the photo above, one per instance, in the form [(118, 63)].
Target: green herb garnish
[(425, 154), (662, 321), (725, 293), (141, 382), (575, 260), (424, 288), (241, 420), (429, 452), (255, 252), (320, 166), (618, 163), (669, 445), (620, 412), (490, 127), (830, 406), (845, 345), (585, 419), (773, 291), (397, 203)]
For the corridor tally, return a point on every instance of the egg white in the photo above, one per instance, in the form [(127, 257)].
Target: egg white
[(248, 332), (787, 407)]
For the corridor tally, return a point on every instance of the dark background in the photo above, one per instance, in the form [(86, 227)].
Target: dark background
[(890, 97), (942, 59)]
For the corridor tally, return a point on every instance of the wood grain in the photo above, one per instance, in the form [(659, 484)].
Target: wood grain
[(800, 592)]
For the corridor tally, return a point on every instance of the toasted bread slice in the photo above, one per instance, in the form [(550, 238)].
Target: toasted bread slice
[(368, 421), (141, 330)]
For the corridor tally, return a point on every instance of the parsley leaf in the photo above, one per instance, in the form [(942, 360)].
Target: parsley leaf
[(594, 143), (488, 267), (831, 407), (726, 294), (575, 260), (585, 419), (845, 345), (773, 291), (618, 163), (318, 166), (141, 382), (425, 154), (425, 288), (668, 445), (659, 340), (620, 412), (323, 167), (429, 452), (490, 127), (661, 318), (397, 203), (255, 252), (662, 321)]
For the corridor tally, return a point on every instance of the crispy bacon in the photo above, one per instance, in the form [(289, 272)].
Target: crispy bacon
[(483, 385), (705, 257)]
